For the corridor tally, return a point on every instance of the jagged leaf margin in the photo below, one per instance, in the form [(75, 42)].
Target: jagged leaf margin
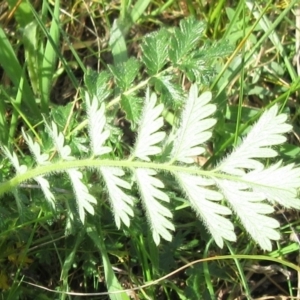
[(41, 159), (204, 201), (84, 199), (194, 126), (242, 180), (148, 134), (121, 203), (96, 123), (267, 132), (256, 183), (155, 51), (157, 215), (194, 130), (150, 187)]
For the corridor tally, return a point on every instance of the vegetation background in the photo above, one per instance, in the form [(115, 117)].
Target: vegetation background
[(43, 65)]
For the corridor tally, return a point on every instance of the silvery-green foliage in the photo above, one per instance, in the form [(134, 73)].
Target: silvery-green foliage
[(148, 135), (41, 159), (120, 201), (239, 184), (194, 127), (84, 199), (14, 160), (97, 121)]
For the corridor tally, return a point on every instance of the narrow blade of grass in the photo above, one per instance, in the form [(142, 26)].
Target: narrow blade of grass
[(13, 69)]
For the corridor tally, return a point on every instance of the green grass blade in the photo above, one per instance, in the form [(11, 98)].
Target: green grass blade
[(267, 26), (16, 103), (120, 28), (138, 9), (70, 257), (54, 45), (241, 271), (206, 271), (22, 13), (112, 282), (3, 122), (33, 59), (50, 59), (14, 71), (117, 43)]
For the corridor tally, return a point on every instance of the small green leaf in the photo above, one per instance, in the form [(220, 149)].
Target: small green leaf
[(61, 114), (155, 51), (132, 106), (185, 39), (197, 64), (125, 73), (197, 70), (98, 83), (171, 93)]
